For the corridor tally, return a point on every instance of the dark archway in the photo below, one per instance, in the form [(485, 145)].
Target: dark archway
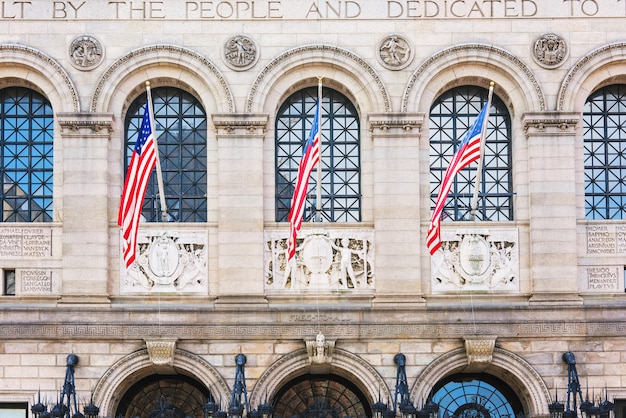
[(321, 396), (170, 396)]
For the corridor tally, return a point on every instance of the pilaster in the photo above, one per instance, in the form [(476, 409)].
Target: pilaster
[(552, 213), (240, 205), (85, 139), (396, 159)]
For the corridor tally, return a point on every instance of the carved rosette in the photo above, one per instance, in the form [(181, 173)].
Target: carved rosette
[(325, 261), (477, 259), (240, 53), (161, 352), (550, 50), (479, 349), (85, 52), (395, 52), (168, 262)]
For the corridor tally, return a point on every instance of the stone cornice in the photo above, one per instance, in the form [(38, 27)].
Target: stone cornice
[(550, 123)]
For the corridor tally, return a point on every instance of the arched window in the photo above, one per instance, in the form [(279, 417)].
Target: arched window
[(341, 183), (26, 152), (476, 396), (180, 123), (604, 125), (451, 116)]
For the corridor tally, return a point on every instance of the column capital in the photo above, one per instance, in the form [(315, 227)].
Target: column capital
[(550, 123)]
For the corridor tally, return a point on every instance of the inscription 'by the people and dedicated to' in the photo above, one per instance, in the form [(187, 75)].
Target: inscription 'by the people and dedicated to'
[(307, 9)]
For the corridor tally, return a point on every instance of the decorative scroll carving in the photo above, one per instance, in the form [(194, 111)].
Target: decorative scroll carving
[(550, 50), (395, 52), (240, 53), (324, 261), (479, 349), (161, 351), (168, 262), (86, 52), (477, 260)]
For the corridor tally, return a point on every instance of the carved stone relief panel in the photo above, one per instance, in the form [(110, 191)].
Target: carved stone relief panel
[(240, 53), (325, 260), (168, 262), (85, 52), (477, 259), (550, 50), (395, 52)]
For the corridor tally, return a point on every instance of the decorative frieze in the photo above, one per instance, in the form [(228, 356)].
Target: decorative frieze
[(325, 261), (394, 124), (476, 259), (234, 125), (168, 262)]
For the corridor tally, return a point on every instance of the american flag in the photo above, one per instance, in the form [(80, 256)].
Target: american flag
[(310, 157), (141, 164), (468, 152)]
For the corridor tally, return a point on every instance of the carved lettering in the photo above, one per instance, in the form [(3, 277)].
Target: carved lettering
[(36, 281), (25, 242), (602, 279)]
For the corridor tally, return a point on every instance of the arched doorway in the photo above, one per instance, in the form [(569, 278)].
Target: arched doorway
[(321, 396), (476, 396), (164, 396)]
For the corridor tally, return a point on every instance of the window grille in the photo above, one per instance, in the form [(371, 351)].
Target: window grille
[(604, 133), (180, 123), (26, 152), (451, 116), (341, 177)]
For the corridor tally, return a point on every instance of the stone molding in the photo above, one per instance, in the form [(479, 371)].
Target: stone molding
[(129, 369), (395, 124), (320, 54), (48, 68), (296, 363), (550, 124), (161, 55), (240, 124), (596, 59), (348, 329), (465, 53), (80, 124), (522, 377)]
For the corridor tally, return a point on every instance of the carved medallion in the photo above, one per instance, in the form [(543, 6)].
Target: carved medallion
[(240, 53), (85, 52), (395, 52), (474, 255), (550, 50)]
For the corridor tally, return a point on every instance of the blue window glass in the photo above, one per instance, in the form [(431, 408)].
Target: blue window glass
[(451, 116), (341, 176), (26, 151), (180, 123), (604, 133)]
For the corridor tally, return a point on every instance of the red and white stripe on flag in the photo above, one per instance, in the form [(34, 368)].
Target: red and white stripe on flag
[(310, 158), (141, 165), (468, 151)]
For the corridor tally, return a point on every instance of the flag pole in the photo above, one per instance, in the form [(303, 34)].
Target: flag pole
[(318, 188), (479, 170), (158, 161)]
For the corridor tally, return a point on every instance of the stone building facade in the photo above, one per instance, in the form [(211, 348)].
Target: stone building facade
[(496, 308)]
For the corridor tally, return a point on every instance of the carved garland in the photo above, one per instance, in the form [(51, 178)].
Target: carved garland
[(469, 49), (317, 49), (175, 50)]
